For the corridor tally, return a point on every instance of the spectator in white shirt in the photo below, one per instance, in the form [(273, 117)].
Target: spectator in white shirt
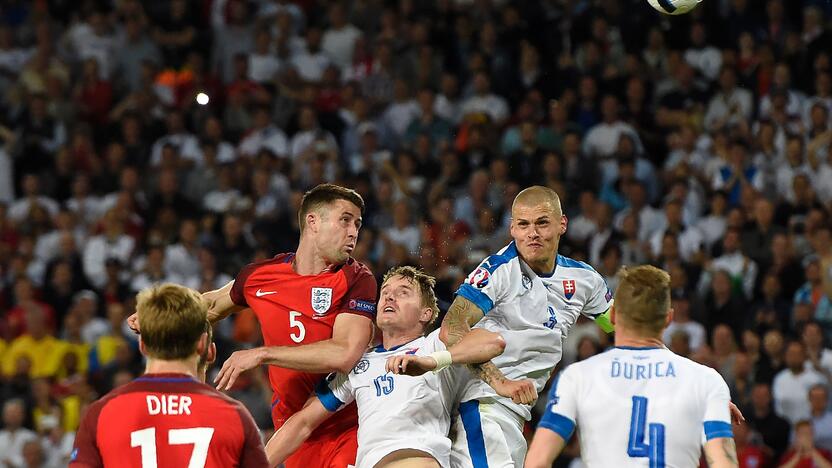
[(112, 243), (447, 103), (19, 210), (403, 232), (263, 135), (650, 220), (182, 258), (602, 139), (733, 261), (153, 271), (339, 39), (263, 63), (311, 63), (310, 133), (714, 224), (821, 416), (706, 59), (781, 86), (819, 357), (731, 105), (793, 165), (14, 436), (690, 240), (402, 110), (483, 101), (681, 321), (180, 138), (791, 385)]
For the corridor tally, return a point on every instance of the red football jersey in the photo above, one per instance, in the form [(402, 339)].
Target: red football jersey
[(167, 420), (294, 310)]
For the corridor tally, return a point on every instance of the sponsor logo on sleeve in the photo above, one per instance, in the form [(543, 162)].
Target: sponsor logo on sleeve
[(479, 278), (361, 367), (608, 295), (362, 306)]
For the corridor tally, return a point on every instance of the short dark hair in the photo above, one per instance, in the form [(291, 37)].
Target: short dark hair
[(324, 194)]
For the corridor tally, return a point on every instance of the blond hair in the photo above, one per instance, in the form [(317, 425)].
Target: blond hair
[(424, 281), (172, 318), (642, 299), (536, 195), (323, 195)]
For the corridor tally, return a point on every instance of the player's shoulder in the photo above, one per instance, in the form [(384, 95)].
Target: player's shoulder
[(701, 373), (279, 259), (356, 271), (576, 267), (500, 259)]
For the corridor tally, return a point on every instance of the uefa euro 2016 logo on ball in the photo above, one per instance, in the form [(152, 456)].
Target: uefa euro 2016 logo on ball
[(674, 7)]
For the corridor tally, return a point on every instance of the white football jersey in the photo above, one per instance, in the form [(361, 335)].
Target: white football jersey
[(532, 312), (395, 411), (639, 407)]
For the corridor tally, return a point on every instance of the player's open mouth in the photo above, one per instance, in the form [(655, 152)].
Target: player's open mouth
[(389, 310)]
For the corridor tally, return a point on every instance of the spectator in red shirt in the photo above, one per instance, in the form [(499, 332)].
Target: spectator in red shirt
[(803, 453)]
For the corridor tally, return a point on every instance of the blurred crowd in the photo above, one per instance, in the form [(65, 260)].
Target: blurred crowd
[(143, 142)]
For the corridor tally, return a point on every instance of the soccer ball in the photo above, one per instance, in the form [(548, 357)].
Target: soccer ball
[(674, 7)]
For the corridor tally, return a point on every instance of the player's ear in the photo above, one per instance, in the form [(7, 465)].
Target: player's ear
[(211, 356), (427, 314), (202, 345), (669, 318), (311, 221), (563, 222), (612, 314)]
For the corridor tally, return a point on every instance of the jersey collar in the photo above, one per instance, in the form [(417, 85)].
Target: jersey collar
[(380, 348)]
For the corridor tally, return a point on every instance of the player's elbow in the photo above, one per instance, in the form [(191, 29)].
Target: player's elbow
[(496, 344), (346, 360)]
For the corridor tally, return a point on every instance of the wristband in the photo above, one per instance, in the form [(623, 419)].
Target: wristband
[(443, 360)]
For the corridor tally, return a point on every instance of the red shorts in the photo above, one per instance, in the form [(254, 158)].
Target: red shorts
[(336, 451)]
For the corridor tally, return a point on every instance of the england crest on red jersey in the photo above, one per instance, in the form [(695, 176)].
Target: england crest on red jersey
[(568, 288), (321, 300)]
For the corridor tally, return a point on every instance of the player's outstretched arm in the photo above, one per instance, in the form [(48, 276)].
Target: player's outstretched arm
[(721, 452), (545, 447), (220, 304), (457, 324), (476, 347), (295, 431), (350, 337)]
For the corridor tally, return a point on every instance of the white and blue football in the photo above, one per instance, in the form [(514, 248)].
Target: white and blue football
[(674, 7)]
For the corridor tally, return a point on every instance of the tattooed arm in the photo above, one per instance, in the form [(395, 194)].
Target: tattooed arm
[(457, 323), (721, 453)]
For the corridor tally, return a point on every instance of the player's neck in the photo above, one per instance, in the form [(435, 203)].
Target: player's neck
[(392, 338), (160, 366), (626, 338), (545, 267), (306, 262)]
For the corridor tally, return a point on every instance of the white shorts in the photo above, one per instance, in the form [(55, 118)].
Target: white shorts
[(486, 434)]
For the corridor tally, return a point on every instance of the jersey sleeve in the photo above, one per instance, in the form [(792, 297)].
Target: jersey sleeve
[(600, 298), (362, 293), (335, 392), (488, 284), (85, 451), (237, 292), (716, 421), (562, 408), (253, 454)]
